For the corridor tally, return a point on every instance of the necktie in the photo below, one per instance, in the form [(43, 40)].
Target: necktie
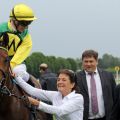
[(94, 101)]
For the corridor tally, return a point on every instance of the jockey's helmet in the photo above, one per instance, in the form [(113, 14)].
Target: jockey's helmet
[(22, 12)]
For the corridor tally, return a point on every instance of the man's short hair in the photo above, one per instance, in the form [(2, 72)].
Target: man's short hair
[(43, 65), (90, 53)]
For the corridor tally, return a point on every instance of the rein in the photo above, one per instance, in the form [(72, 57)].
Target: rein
[(5, 90), (3, 48)]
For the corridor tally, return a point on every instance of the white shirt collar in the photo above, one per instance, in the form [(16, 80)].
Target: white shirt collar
[(70, 94), (96, 72)]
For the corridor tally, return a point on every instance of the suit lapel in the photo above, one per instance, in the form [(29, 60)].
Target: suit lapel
[(101, 77), (84, 81), (103, 80)]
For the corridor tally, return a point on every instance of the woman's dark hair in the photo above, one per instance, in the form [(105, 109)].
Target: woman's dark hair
[(72, 77)]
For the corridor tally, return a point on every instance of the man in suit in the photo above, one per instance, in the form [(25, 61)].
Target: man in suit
[(97, 87)]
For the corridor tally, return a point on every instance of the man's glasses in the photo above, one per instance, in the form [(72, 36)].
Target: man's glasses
[(24, 23)]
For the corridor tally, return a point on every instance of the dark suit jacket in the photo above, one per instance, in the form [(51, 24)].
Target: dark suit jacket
[(108, 87), (48, 81), (115, 115)]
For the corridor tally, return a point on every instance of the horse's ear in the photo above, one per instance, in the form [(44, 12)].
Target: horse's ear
[(5, 39)]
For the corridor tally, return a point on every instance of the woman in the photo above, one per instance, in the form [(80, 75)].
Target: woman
[(67, 103)]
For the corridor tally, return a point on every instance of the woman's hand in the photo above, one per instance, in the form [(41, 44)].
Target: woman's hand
[(33, 101)]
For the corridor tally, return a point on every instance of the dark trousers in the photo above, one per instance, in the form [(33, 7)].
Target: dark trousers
[(104, 118)]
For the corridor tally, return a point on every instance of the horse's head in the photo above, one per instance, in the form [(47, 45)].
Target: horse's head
[(4, 59)]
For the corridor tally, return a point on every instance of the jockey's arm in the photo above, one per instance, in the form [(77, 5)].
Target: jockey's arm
[(22, 52)]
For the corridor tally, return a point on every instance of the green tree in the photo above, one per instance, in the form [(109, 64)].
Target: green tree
[(73, 64)]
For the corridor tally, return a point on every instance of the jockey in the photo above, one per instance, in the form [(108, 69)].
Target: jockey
[(20, 42)]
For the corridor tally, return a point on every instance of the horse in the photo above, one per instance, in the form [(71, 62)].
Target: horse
[(14, 103)]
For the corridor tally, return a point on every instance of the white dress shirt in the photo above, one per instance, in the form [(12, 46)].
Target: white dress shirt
[(101, 108), (68, 108)]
